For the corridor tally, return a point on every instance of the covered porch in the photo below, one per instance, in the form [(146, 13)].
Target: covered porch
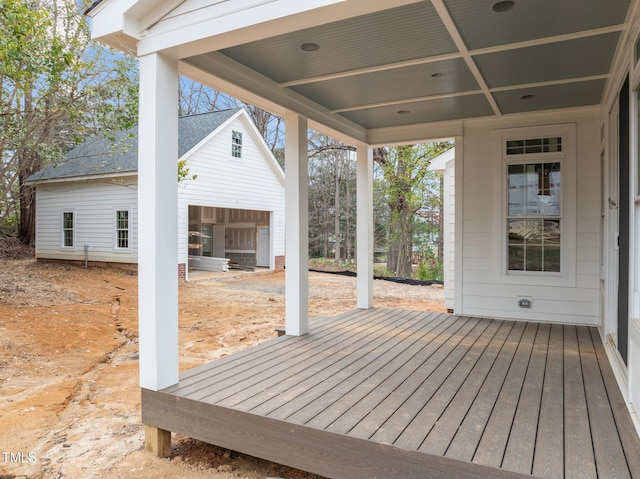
[(545, 92), (396, 393)]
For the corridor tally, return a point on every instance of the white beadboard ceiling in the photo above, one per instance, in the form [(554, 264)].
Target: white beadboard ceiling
[(444, 60)]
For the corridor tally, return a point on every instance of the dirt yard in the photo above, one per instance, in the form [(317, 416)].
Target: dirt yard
[(69, 396)]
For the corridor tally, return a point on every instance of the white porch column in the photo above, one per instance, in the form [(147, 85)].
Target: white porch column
[(158, 222), (296, 226), (364, 229)]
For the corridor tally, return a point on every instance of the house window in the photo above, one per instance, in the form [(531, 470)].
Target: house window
[(122, 229), (68, 229), (236, 144), (534, 217)]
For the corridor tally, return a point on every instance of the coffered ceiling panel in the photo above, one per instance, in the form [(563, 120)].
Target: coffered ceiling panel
[(392, 85), (481, 26), (452, 108), (583, 57), (391, 36), (550, 97)]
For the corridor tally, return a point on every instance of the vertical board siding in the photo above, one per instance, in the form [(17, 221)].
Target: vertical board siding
[(485, 290), (246, 183), (94, 204)]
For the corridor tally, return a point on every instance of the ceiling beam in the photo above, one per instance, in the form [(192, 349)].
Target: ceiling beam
[(375, 69), (464, 51), (547, 40), (407, 100)]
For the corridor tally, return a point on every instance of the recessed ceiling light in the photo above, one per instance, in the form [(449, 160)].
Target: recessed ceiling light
[(310, 47), (503, 6), (436, 75), (527, 97), (403, 112)]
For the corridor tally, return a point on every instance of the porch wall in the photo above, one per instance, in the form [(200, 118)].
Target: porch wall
[(485, 290)]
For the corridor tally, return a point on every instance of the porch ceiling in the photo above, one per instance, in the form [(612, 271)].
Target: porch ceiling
[(441, 60)]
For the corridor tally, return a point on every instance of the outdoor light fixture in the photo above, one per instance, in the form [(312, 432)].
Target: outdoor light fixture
[(310, 47), (527, 97), (503, 6)]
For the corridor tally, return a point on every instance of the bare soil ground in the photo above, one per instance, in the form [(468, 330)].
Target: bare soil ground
[(69, 395)]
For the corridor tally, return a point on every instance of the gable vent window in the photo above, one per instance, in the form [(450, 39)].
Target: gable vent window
[(534, 145), (236, 144)]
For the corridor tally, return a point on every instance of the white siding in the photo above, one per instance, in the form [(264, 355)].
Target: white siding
[(486, 290), (94, 204), (247, 183)]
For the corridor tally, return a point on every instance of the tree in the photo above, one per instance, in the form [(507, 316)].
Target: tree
[(57, 88), (406, 175)]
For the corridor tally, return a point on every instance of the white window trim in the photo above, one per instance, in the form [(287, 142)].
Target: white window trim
[(568, 205), (116, 248), (75, 228)]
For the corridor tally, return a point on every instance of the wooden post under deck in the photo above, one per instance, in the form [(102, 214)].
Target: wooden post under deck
[(157, 441)]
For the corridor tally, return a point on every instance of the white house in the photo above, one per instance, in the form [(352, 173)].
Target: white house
[(230, 205), (542, 99)]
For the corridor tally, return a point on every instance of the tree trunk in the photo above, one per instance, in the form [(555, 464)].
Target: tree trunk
[(348, 253), (336, 209)]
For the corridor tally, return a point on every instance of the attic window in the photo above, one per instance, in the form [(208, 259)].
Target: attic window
[(534, 145), (236, 144)]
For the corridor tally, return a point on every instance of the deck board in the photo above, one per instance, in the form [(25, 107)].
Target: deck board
[(579, 459), (391, 380), (398, 409), (391, 393), (521, 446), (316, 397), (483, 387), (493, 443)]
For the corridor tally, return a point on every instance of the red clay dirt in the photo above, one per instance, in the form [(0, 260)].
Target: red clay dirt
[(69, 394)]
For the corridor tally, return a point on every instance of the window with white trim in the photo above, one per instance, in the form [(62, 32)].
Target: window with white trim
[(236, 144), (122, 229), (534, 216), (68, 229)]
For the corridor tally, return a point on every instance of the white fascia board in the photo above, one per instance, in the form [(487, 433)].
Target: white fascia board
[(439, 163), (108, 18), (106, 176), (228, 76), (227, 24)]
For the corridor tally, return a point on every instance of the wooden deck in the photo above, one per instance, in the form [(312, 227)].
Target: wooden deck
[(392, 393)]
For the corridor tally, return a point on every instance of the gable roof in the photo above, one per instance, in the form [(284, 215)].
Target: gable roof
[(117, 156)]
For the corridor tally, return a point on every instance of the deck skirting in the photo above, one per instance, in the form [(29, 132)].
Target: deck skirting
[(320, 452)]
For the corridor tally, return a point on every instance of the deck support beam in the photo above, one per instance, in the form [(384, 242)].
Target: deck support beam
[(158, 223), (364, 227), (296, 226), (157, 441)]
